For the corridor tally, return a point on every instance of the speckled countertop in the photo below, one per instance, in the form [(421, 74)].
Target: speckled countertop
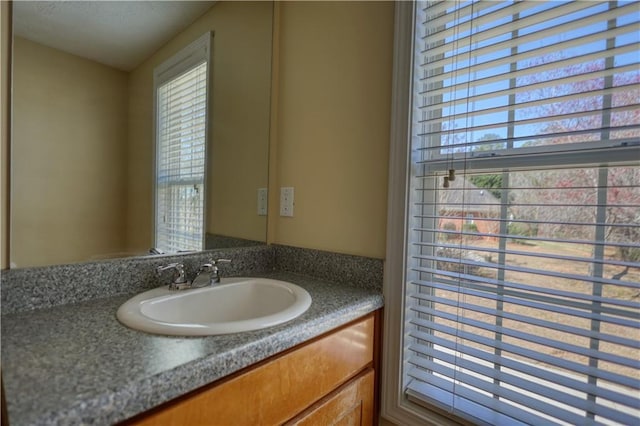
[(76, 364)]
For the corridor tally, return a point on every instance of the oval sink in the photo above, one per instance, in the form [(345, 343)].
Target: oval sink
[(235, 305)]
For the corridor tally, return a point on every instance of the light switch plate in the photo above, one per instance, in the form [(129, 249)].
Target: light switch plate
[(262, 201), (286, 201)]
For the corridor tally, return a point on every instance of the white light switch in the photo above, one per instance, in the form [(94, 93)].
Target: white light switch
[(286, 202), (262, 201)]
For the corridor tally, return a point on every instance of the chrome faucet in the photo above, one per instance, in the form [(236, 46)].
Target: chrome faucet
[(179, 281), (209, 274), (215, 278)]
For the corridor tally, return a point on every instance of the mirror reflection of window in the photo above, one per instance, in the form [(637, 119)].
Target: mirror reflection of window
[(181, 99)]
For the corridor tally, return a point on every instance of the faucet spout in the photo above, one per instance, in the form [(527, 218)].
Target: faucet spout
[(209, 274), (204, 276)]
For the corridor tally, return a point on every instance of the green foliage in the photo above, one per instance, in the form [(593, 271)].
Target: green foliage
[(494, 146), (629, 254), (469, 227), (491, 182), (450, 227), (521, 229)]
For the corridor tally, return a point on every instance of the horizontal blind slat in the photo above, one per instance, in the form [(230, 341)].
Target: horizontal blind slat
[(500, 391), (497, 407), (562, 363), (529, 238), (453, 33), (441, 14), (534, 53), (537, 339), (492, 143), (525, 254), (632, 343), (472, 112), (457, 44), (420, 392), (540, 272), (435, 86), (534, 300), (520, 221), (617, 395), (538, 120)]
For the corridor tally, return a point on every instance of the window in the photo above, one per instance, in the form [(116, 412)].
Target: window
[(181, 96), (525, 117)]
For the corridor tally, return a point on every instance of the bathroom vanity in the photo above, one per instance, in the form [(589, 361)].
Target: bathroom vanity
[(326, 381), (74, 363)]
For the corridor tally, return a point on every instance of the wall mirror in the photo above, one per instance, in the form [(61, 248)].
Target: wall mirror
[(82, 166)]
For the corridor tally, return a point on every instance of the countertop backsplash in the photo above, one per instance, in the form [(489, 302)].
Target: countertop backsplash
[(47, 286), (357, 271), (27, 289)]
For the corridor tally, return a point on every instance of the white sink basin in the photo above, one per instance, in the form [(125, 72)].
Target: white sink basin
[(235, 305)]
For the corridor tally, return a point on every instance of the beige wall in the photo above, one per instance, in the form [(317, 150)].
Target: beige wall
[(333, 120), (68, 157), (239, 120), (5, 102), (329, 135)]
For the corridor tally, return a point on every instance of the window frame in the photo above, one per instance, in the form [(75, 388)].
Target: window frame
[(395, 406), (184, 60)]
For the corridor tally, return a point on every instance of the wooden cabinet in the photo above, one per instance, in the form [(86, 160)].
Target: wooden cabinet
[(350, 405), (329, 380)]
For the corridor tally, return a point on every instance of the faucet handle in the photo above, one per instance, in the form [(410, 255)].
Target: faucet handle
[(212, 266), (179, 276)]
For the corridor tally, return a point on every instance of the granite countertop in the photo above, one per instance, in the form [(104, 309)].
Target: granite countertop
[(76, 364)]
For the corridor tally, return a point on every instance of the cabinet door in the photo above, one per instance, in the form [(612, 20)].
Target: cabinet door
[(349, 405), (278, 389)]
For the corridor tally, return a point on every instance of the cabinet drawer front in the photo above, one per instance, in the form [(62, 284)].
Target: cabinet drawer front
[(279, 389), (351, 405)]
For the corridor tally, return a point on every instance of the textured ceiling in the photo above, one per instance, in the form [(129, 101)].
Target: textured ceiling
[(121, 34)]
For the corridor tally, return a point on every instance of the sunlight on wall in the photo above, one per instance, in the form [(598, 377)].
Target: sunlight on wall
[(333, 124)]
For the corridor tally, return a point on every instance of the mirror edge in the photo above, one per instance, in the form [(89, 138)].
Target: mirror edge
[(6, 36)]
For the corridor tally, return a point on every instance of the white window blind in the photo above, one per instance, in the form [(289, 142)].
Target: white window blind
[(522, 301), (181, 128)]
